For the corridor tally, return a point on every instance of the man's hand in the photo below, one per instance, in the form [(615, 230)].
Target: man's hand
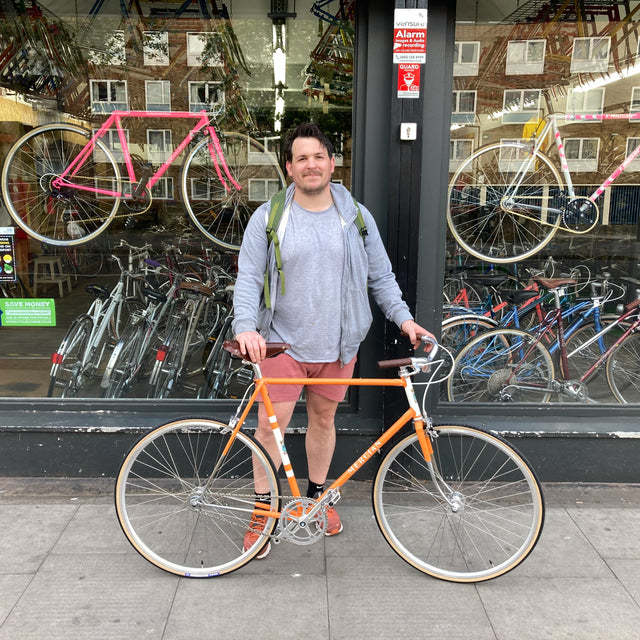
[(414, 332), (252, 345)]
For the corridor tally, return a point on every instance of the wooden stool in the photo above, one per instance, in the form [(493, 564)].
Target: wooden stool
[(48, 270)]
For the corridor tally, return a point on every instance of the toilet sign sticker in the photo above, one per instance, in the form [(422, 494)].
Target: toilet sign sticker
[(408, 80), (409, 36)]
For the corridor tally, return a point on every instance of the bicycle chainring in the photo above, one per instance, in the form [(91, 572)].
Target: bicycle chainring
[(580, 215), (301, 533)]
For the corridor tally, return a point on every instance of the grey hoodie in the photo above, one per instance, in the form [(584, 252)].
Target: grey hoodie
[(366, 267)]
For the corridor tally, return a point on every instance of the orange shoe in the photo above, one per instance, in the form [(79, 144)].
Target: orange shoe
[(256, 527), (334, 526)]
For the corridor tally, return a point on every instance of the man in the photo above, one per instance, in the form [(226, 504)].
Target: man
[(323, 311)]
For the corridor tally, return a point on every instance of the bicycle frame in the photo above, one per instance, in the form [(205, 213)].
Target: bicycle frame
[(115, 120), (551, 126), (332, 493)]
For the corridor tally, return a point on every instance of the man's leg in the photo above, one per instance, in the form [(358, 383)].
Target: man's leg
[(320, 441)]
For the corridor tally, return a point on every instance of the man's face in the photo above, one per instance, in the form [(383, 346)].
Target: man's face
[(310, 167)]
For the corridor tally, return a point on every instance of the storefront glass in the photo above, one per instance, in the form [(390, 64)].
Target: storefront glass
[(159, 197), (545, 115)]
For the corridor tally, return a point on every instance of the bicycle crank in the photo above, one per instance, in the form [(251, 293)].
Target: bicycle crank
[(298, 526)]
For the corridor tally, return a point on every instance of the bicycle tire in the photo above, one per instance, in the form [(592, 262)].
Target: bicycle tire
[(122, 370), (59, 216), (184, 507), (67, 372), (475, 213), (222, 212), (458, 331), (120, 317), (579, 363), (167, 368), (452, 286), (485, 523), (623, 370), (487, 368)]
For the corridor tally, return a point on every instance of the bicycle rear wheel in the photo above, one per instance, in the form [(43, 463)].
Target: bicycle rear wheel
[(623, 370), (502, 366), (62, 216), (67, 371), (477, 516), (185, 505), (497, 211), (167, 368), (219, 210)]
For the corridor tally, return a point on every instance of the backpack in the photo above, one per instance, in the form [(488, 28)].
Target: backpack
[(273, 222)]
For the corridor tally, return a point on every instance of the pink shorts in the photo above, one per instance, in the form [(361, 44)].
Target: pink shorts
[(284, 366)]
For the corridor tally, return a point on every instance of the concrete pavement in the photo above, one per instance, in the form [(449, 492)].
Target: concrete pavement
[(67, 573)]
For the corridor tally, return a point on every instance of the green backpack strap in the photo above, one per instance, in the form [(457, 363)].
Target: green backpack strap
[(275, 215), (273, 222)]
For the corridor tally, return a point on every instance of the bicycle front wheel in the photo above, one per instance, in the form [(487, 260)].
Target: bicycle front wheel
[(504, 205), (623, 370), (218, 208), (185, 504), (60, 215), (474, 513), (505, 365)]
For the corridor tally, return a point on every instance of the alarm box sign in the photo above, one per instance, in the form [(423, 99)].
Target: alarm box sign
[(410, 36)]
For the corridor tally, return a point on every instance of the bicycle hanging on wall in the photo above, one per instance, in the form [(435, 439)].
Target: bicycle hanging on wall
[(62, 184)]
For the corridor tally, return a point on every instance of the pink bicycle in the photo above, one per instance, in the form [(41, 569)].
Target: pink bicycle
[(63, 185)]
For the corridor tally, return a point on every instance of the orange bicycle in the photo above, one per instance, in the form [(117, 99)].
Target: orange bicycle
[(458, 503)]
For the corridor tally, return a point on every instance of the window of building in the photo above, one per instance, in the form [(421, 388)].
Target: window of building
[(112, 51), (108, 96), (112, 141), (590, 54), (459, 149), (519, 106), (634, 107), (159, 146), (466, 58), (206, 96), (582, 153), (158, 95), (525, 57), (202, 50), (464, 107), (156, 48), (163, 189), (590, 102)]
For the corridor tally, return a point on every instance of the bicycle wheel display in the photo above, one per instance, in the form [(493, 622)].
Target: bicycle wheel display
[(505, 365), (501, 200), (123, 368), (216, 207), (475, 515), (185, 504), (59, 215), (67, 375), (623, 370)]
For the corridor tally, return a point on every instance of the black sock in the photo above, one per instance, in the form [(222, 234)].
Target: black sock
[(314, 490), (263, 497)]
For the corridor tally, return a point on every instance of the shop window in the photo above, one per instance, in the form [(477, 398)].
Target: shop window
[(206, 96), (511, 156), (159, 146), (156, 48), (590, 102), (256, 156), (111, 53), (525, 57), (158, 95), (112, 141), (459, 150), (582, 153), (466, 58), (202, 50), (590, 54), (108, 96), (519, 106), (163, 189), (464, 107)]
